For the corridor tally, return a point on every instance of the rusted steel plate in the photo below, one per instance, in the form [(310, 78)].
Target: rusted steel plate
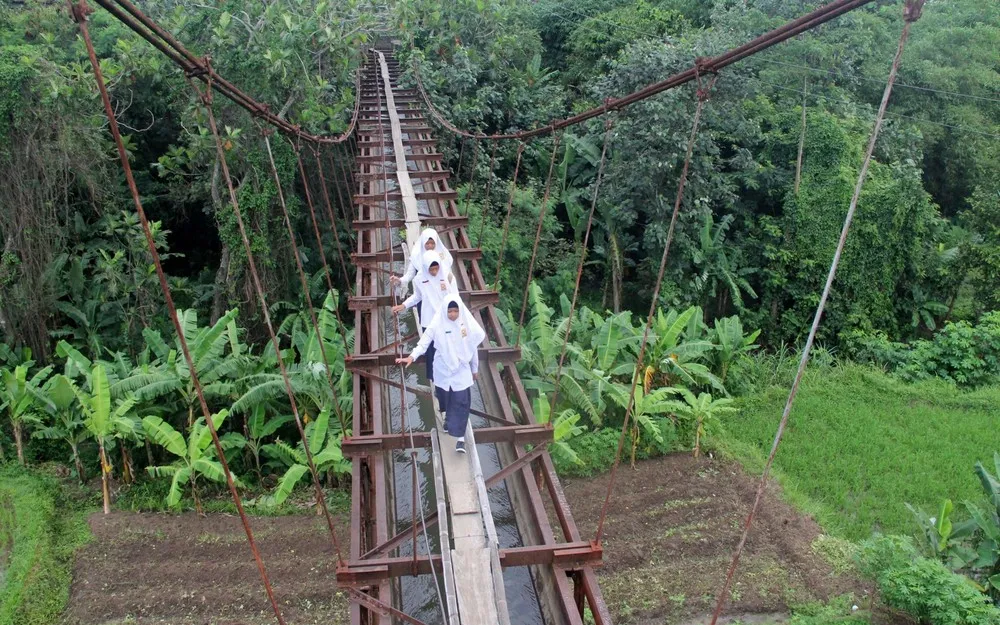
[(516, 434), (504, 355)]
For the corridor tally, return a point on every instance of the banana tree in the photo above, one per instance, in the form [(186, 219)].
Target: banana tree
[(730, 344), (645, 408), (22, 397), (169, 376), (257, 427), (106, 421), (195, 456), (564, 427), (324, 445), (674, 359), (701, 412), (66, 423), (717, 274), (944, 539), (987, 521), (305, 366)]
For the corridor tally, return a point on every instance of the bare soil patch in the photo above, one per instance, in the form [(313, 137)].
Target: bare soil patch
[(669, 537), (185, 569), (670, 533)]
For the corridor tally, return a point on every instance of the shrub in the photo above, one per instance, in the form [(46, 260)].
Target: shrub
[(961, 353), (596, 451), (924, 588)]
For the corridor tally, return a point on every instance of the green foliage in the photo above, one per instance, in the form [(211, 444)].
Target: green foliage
[(961, 353), (860, 426), (324, 445), (923, 587), (21, 398), (595, 41), (565, 429), (195, 456), (39, 530)]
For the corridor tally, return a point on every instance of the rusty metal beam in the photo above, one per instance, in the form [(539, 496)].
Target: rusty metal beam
[(568, 556), (515, 434), (384, 609), (378, 199), (473, 299), (428, 222), (384, 256), (488, 355)]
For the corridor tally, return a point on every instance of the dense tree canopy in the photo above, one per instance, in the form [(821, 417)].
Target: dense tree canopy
[(756, 232)]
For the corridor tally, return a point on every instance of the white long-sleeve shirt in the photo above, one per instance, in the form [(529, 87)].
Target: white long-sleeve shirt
[(444, 377), (411, 269), (430, 295)]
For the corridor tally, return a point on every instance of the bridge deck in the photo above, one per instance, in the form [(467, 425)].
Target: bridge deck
[(476, 565)]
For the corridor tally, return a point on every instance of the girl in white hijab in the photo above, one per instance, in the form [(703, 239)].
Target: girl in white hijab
[(433, 284), (429, 240), (457, 337)]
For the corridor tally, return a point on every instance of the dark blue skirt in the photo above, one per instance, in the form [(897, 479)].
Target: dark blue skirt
[(455, 405)]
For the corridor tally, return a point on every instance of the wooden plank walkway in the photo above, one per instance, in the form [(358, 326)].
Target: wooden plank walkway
[(468, 506)]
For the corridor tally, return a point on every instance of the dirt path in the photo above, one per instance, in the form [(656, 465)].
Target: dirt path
[(669, 537), (670, 534)]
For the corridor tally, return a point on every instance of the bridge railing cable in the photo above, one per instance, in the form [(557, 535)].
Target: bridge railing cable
[(79, 11), (911, 13)]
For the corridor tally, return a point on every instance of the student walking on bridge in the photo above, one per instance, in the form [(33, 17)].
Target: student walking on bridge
[(433, 284), (457, 336), (429, 240)]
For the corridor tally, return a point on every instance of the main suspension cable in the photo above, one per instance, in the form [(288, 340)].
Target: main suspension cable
[(701, 66)]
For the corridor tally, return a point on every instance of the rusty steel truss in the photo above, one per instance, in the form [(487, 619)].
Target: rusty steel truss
[(562, 562)]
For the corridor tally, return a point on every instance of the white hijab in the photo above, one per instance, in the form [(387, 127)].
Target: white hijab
[(456, 341), (417, 251), (433, 289)]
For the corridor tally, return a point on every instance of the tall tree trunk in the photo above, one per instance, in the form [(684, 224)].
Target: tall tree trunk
[(126, 464), (19, 443), (194, 492), (802, 136), (5, 329), (149, 454), (78, 463), (220, 296), (105, 470)]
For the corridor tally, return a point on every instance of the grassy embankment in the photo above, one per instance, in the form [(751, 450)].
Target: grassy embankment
[(39, 531), (860, 445)]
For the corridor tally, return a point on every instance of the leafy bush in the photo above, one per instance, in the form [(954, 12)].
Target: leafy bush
[(961, 353), (596, 451), (924, 588)]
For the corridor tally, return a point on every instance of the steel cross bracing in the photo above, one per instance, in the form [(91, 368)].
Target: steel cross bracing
[(561, 562)]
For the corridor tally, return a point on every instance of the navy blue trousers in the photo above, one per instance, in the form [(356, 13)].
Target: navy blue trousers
[(455, 405)]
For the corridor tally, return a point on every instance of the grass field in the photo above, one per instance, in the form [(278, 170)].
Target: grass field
[(39, 531), (860, 445)]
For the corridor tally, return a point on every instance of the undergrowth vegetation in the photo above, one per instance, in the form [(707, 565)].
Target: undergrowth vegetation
[(40, 527)]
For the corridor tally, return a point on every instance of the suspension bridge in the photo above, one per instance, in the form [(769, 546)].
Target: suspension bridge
[(436, 536)]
